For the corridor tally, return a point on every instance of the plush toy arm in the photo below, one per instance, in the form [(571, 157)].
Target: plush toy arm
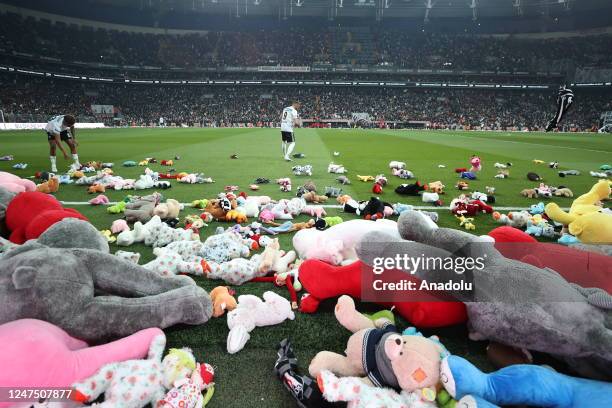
[(237, 339), (91, 388), (156, 350)]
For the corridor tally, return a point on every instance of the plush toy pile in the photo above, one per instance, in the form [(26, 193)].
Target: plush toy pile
[(61, 287)]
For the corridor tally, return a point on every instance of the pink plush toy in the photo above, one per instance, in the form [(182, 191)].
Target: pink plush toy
[(15, 184), (35, 353), (99, 200), (314, 211), (266, 216), (475, 162), (119, 226), (336, 245)]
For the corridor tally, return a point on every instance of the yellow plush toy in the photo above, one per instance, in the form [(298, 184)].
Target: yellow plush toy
[(585, 219)]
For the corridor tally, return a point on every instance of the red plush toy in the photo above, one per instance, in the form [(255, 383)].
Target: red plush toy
[(377, 188), (322, 281), (464, 205), (29, 214), (584, 268)]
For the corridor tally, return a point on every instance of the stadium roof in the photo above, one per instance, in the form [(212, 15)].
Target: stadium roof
[(199, 14)]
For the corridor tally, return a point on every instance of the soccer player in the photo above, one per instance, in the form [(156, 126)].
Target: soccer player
[(289, 119), (61, 128), (564, 103)]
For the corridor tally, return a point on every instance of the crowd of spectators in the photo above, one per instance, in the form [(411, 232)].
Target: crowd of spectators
[(298, 47), (35, 99)]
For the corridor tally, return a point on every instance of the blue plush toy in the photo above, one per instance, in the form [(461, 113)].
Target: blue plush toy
[(468, 175), (568, 239), (400, 208), (520, 384), (537, 208)]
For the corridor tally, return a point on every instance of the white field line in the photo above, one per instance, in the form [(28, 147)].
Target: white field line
[(416, 207)]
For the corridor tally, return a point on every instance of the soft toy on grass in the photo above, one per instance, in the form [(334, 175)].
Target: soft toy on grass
[(323, 281), (223, 300), (394, 164), (49, 186), (337, 244), (476, 164), (312, 197), (31, 213), (521, 384), (141, 208), (137, 383), (96, 188), (61, 359), (402, 173), (109, 297), (585, 219), (159, 234), (408, 362), (187, 393), (167, 210), (168, 263), (253, 312), (365, 179), (360, 395), (100, 199), (16, 184), (516, 219), (336, 168), (509, 298)]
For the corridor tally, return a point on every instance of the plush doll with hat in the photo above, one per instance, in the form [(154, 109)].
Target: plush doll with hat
[(585, 219), (521, 384), (509, 298), (59, 358), (109, 297), (376, 350), (138, 383)]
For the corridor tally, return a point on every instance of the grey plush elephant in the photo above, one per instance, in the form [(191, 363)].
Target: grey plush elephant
[(511, 302), (88, 292), (5, 198)]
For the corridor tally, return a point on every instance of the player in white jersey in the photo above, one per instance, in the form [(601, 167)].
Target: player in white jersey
[(289, 119), (61, 128)]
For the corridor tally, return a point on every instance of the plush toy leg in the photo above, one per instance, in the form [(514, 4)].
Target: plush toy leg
[(336, 363), (133, 347), (474, 402), (112, 316), (349, 317)]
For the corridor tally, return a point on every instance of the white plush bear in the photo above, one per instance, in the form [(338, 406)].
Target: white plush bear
[(253, 312), (397, 165)]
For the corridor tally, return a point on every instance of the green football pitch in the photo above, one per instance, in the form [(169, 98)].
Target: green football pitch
[(246, 378)]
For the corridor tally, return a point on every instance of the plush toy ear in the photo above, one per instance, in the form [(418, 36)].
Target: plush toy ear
[(23, 277)]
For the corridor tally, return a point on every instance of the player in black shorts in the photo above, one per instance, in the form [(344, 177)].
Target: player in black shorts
[(61, 129)]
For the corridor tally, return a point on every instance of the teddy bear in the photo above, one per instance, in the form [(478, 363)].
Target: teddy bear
[(96, 188), (249, 206), (435, 187), (410, 189), (563, 192), (520, 384), (343, 180), (223, 300), (215, 209), (516, 219), (378, 352), (336, 168), (337, 244), (331, 192), (49, 186), (543, 191), (402, 173), (167, 210), (312, 197), (236, 216), (529, 193), (109, 297), (398, 165), (462, 185), (137, 383), (253, 312), (141, 208), (509, 297), (15, 183), (305, 170), (28, 214), (585, 219)]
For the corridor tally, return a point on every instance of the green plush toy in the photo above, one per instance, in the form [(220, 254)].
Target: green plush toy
[(382, 314), (117, 208), (201, 204)]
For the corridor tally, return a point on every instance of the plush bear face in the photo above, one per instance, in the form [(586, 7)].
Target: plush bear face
[(415, 361)]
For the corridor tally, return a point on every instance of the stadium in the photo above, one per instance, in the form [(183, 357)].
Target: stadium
[(202, 203)]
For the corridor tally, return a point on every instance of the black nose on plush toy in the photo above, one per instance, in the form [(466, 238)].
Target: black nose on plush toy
[(398, 341)]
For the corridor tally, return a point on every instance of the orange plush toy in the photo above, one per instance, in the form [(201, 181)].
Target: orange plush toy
[(96, 188), (49, 186), (223, 299)]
